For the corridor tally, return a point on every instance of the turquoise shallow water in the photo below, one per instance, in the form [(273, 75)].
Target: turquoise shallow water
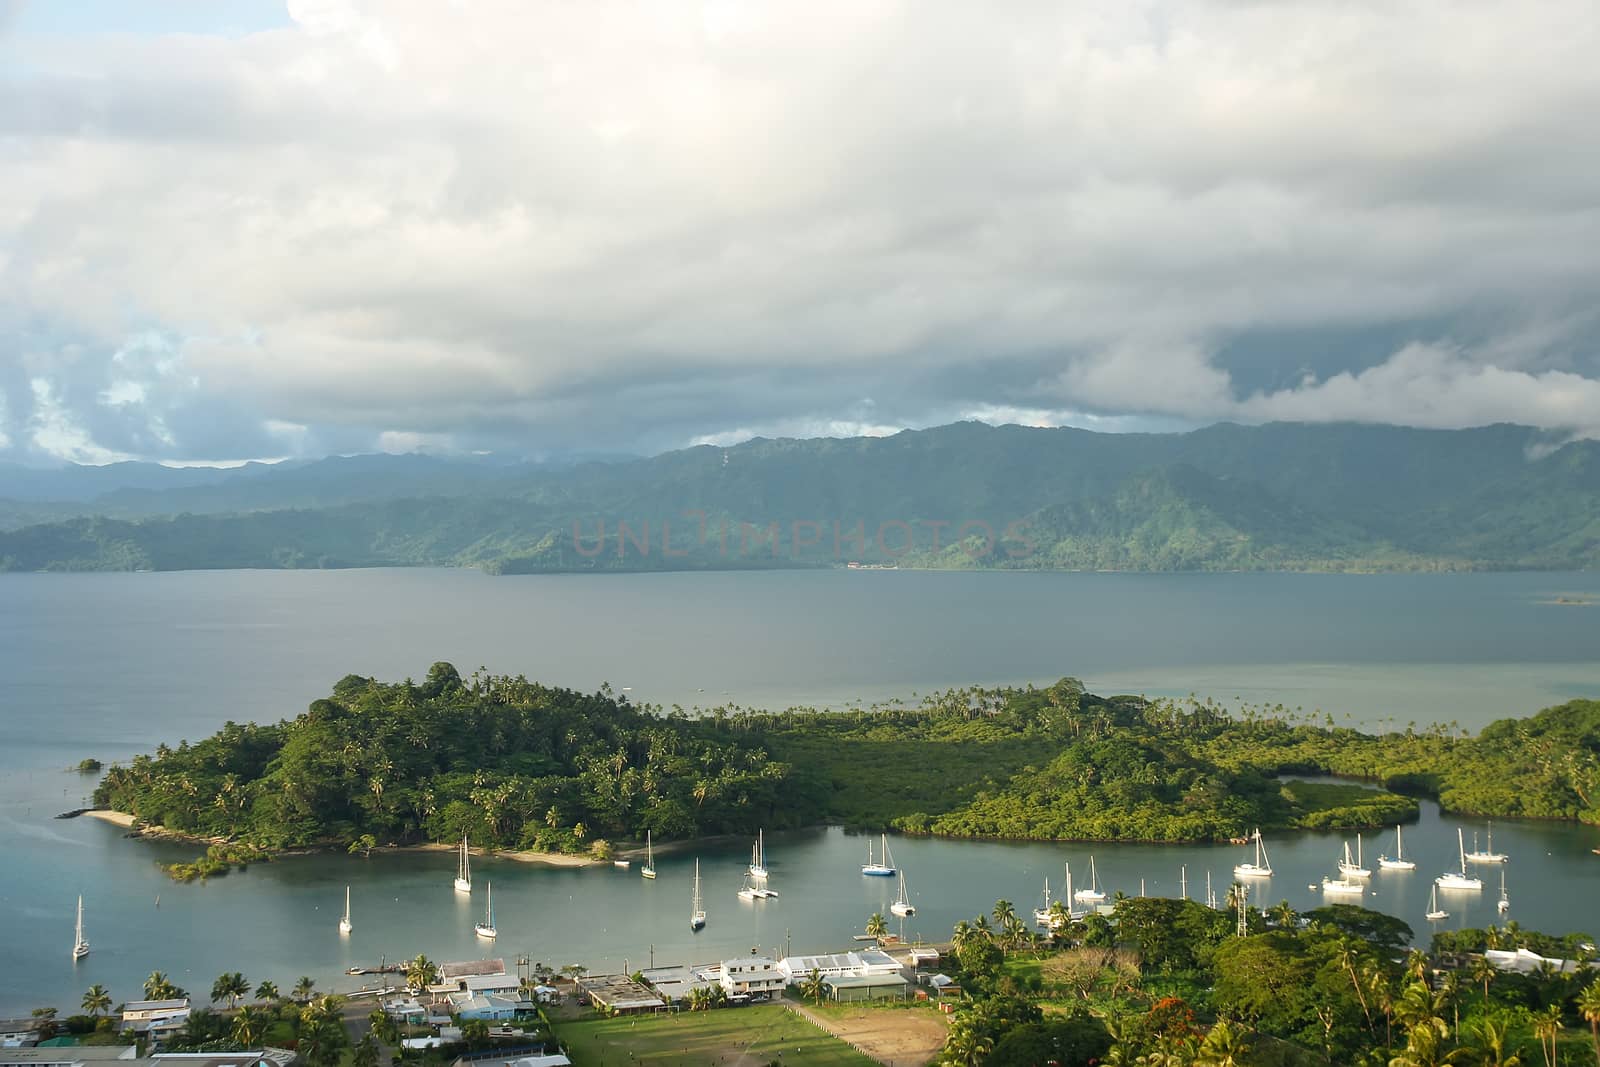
[(110, 665)]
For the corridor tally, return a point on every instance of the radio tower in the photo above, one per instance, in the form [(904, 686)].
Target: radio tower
[(1242, 896)]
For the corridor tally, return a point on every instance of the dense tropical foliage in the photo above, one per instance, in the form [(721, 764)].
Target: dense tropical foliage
[(512, 764), (1172, 983)]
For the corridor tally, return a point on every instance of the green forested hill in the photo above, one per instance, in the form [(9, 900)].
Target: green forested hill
[(514, 764), (1334, 497)]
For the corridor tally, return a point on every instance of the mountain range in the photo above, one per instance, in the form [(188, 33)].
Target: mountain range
[(1227, 497)]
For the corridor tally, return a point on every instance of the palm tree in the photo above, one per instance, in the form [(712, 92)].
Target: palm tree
[(248, 1025), (267, 990), (365, 1054), (1016, 934), (302, 988), (1060, 919), (1547, 1028), (959, 935), (1224, 1046), (1284, 915), (158, 987), (383, 1028), (1003, 910), (96, 1000), (1589, 1008), (421, 973), (1483, 972), (699, 998), (229, 987), (1491, 1041), (876, 927), (813, 986), (1417, 964), (1347, 954)]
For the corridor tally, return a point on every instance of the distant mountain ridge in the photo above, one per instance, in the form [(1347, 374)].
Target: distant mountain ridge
[(1280, 496)]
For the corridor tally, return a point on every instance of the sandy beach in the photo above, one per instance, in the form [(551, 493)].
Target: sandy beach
[(120, 818)]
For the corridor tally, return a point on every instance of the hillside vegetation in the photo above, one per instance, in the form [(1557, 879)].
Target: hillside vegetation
[(513, 764), (1330, 497)]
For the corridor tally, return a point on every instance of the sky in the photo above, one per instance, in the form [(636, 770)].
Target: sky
[(234, 229)]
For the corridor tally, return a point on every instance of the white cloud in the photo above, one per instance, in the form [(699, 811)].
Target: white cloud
[(558, 224), (55, 433)]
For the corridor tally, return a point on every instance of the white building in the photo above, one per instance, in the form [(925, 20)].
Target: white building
[(751, 976), (871, 963), (158, 1019)]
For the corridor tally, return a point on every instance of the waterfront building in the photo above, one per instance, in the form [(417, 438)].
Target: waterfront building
[(619, 994), (873, 961), (489, 1007), (156, 1019), (751, 976)]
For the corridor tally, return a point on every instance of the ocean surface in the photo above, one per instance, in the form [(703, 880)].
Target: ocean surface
[(111, 665)]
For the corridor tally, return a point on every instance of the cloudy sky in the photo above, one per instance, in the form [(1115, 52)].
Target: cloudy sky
[(233, 229)]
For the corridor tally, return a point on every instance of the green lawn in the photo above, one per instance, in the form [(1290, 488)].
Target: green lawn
[(749, 1036)]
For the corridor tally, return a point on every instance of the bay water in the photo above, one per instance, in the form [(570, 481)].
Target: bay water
[(111, 665)]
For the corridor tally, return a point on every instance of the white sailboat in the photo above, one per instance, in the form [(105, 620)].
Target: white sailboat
[(1352, 868), (1459, 879), (1262, 867), (1503, 905), (649, 868), (486, 928), (758, 856), (80, 946), (697, 910), (464, 869), (1093, 894), (902, 905), (1435, 913), (881, 867), (1488, 855), (344, 921), (1041, 914), (1398, 861)]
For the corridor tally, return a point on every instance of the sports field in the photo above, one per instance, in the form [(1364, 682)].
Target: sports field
[(745, 1036)]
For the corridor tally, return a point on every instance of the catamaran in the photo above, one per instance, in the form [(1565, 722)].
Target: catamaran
[(1093, 894), (697, 910), (1488, 855), (758, 856), (649, 868), (1352, 868), (80, 946), (1459, 879), (751, 891), (1262, 867), (1504, 903), (464, 869), (1398, 862), (1435, 913), (902, 905), (486, 928), (882, 867), (344, 921)]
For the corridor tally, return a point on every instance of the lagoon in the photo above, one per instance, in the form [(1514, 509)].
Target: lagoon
[(111, 665)]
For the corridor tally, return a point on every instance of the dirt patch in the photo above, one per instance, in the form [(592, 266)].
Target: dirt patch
[(896, 1036)]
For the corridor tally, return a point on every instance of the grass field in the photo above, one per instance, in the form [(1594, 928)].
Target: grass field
[(746, 1036)]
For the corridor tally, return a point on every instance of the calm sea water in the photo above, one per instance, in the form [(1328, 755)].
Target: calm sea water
[(110, 665)]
